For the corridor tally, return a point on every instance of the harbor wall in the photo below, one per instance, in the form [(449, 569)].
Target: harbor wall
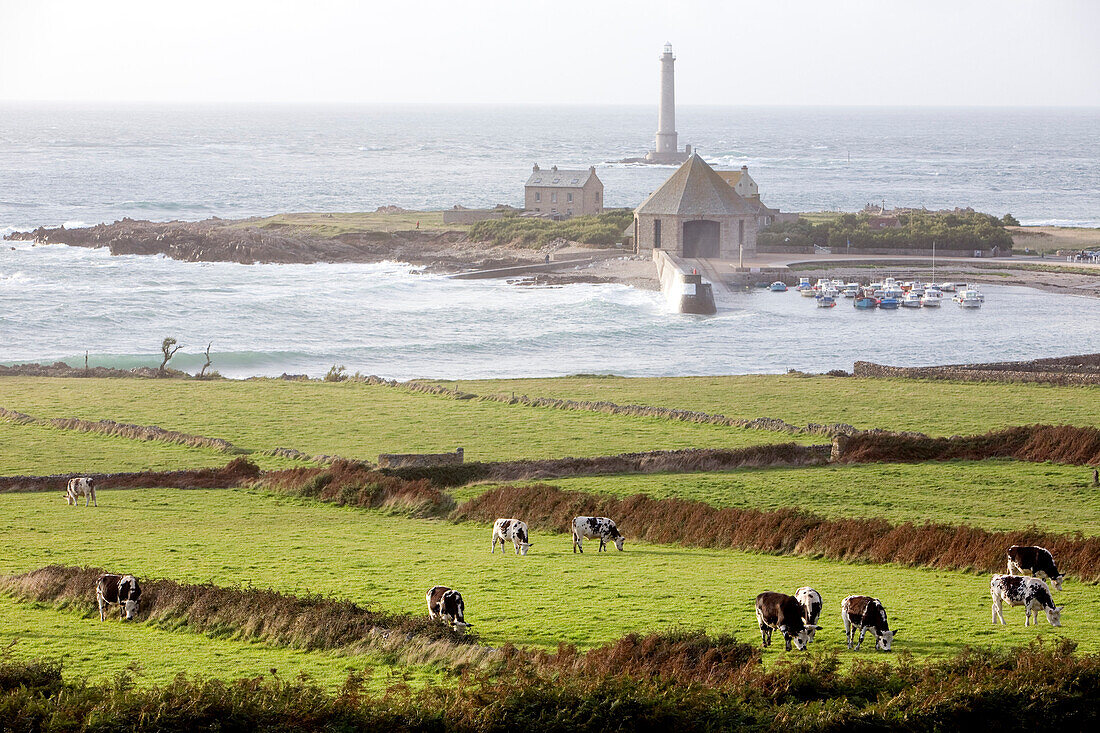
[(684, 290)]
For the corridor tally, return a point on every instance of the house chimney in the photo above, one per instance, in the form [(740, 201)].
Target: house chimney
[(591, 169)]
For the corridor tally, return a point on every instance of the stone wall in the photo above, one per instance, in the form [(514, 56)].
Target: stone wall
[(1068, 371), (419, 460)]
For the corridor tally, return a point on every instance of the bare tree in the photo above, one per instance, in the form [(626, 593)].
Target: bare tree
[(207, 364), (167, 349)]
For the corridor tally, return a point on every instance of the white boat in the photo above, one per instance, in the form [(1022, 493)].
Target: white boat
[(917, 288), (947, 287), (969, 298), (910, 300), (892, 290), (826, 301), (850, 290), (808, 292), (803, 284), (932, 297)]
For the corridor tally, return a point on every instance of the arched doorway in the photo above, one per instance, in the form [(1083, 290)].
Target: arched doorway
[(701, 238)]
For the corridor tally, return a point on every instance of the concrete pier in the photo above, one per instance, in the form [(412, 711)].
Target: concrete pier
[(685, 291)]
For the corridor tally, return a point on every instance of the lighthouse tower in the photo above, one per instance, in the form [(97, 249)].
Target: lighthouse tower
[(666, 151)]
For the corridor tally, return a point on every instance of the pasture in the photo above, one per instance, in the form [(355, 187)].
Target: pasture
[(240, 537), (927, 406)]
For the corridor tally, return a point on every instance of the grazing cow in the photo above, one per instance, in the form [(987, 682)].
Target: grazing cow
[(1031, 593), (1037, 561), (447, 605), (593, 527), (511, 530), (811, 603), (865, 613), (78, 487), (783, 612), (120, 590)]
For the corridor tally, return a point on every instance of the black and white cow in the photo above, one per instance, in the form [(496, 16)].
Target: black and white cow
[(446, 604), (811, 603), (80, 486), (783, 612), (864, 612), (120, 590), (1031, 593), (593, 527), (1037, 561), (510, 530)]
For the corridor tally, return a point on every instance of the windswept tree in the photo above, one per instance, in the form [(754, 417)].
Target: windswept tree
[(208, 362), (168, 348)]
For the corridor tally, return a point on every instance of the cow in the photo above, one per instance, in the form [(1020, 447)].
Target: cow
[(120, 590), (1031, 593), (783, 612), (446, 605), (864, 612), (1037, 561), (511, 530), (593, 527), (811, 603), (80, 486)]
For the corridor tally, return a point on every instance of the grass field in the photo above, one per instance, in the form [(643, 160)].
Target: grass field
[(336, 224), (35, 450), (933, 407), (238, 537), (361, 421), (994, 495)]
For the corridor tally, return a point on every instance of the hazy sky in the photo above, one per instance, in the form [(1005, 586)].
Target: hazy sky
[(803, 52)]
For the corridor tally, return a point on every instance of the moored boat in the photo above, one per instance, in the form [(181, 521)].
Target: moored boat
[(888, 303), (910, 300), (969, 298), (932, 298), (826, 301), (778, 286)]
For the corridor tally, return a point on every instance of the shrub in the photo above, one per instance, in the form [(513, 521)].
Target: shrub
[(602, 229)]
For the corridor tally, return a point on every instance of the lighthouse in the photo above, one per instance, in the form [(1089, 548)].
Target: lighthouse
[(666, 151)]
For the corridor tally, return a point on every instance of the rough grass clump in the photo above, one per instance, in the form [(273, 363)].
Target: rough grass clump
[(350, 483), (252, 614), (603, 229), (783, 531), (233, 474), (1076, 446)]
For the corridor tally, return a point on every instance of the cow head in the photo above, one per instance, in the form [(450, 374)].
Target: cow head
[(885, 639), (800, 638), (1058, 581), (524, 546), (619, 539), (1054, 615), (460, 626), (130, 607), (813, 631)]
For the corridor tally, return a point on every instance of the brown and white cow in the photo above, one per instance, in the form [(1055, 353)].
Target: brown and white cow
[(595, 527), (811, 603), (120, 590), (783, 612), (446, 605), (864, 612), (80, 486), (1031, 593), (1037, 561), (510, 530)]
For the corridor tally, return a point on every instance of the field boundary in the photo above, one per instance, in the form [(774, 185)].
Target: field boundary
[(783, 531), (235, 473), (1068, 371)]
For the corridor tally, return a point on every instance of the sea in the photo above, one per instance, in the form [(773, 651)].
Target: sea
[(88, 164)]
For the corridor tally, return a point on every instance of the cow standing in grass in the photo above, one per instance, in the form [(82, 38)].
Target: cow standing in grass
[(862, 613), (446, 605), (595, 527), (1037, 561), (511, 530), (80, 486), (120, 590), (811, 603), (783, 612), (1031, 593)]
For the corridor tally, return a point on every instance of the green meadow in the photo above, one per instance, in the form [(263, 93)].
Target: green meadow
[(237, 537), (928, 406)]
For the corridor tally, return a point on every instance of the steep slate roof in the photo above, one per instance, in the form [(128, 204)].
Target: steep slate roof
[(559, 178), (695, 189)]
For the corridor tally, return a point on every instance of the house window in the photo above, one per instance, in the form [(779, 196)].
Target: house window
[(741, 231), (569, 197), (597, 195), (656, 233), (538, 196), (554, 197)]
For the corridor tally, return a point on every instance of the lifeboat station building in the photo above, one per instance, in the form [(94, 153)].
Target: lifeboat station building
[(697, 213)]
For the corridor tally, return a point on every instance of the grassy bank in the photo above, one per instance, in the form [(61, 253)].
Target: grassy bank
[(360, 222)]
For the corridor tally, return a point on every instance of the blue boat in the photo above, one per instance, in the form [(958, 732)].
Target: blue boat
[(865, 302), (778, 287), (889, 304)]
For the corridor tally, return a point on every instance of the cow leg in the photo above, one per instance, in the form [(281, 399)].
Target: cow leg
[(765, 635), (102, 614), (577, 544), (862, 632), (95, 502), (603, 544), (494, 547)]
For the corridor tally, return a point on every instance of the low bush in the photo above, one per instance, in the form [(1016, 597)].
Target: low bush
[(233, 474), (1068, 444), (602, 229)]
